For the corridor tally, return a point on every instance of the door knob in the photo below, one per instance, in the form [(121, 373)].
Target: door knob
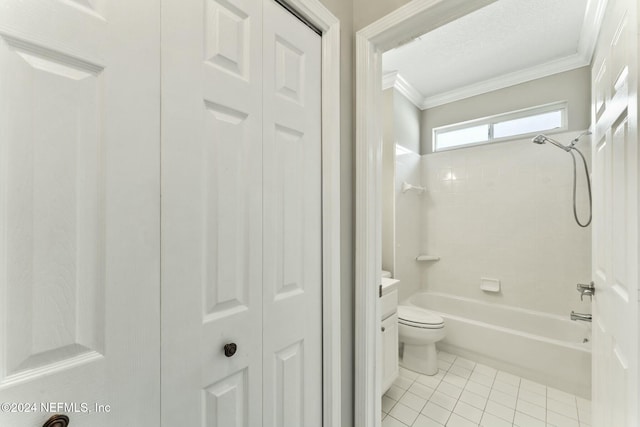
[(230, 349), (57, 421)]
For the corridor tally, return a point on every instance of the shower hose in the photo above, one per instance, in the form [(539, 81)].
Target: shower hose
[(586, 171)]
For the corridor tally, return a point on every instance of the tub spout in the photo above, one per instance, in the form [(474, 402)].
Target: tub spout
[(585, 317)]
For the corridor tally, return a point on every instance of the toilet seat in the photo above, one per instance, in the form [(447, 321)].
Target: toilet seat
[(417, 317)]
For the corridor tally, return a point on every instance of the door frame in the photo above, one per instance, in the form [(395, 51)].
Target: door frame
[(405, 23), (319, 16)]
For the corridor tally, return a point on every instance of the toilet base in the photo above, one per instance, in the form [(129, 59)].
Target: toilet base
[(421, 358)]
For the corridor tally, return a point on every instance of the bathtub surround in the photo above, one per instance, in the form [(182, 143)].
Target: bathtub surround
[(408, 224), (504, 211), (465, 393), (500, 211)]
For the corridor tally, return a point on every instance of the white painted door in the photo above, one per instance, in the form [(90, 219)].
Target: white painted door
[(241, 217), (79, 211), (211, 212), (292, 328), (615, 227)]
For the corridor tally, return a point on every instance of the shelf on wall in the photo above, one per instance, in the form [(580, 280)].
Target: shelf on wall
[(427, 258)]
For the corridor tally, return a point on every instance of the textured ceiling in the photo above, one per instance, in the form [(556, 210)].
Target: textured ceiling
[(505, 37)]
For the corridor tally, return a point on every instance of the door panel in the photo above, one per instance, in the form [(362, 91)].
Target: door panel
[(389, 340), (615, 251), (241, 217), (79, 216), (55, 211), (292, 222), (212, 212)]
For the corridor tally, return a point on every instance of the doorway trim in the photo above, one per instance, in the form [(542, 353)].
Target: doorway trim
[(400, 26), (319, 16)]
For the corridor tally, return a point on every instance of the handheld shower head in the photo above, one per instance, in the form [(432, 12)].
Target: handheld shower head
[(542, 139)]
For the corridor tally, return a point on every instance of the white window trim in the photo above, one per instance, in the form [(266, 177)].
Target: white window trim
[(561, 106)]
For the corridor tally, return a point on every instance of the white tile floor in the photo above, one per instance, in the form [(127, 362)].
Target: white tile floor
[(468, 394)]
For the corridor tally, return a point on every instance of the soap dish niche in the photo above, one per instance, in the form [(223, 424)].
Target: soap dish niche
[(490, 285)]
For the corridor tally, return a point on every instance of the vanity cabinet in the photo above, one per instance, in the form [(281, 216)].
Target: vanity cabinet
[(389, 340), (389, 333)]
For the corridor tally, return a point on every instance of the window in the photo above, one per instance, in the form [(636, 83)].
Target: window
[(501, 127)]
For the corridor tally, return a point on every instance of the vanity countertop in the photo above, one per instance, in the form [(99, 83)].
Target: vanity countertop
[(389, 285)]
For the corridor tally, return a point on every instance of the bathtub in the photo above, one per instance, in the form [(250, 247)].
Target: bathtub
[(545, 348)]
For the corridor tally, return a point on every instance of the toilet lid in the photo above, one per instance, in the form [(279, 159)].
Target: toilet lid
[(416, 316)]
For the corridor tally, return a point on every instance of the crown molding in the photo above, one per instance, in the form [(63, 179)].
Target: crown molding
[(394, 80), (500, 82), (409, 92), (594, 15), (389, 80)]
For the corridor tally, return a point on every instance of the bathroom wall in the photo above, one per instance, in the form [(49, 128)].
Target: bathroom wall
[(388, 181), (504, 211), (366, 12), (406, 122), (400, 245), (572, 86)]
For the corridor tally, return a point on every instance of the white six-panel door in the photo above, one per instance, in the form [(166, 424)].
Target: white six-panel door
[(292, 282), (241, 210), (615, 227), (79, 211), (211, 212)]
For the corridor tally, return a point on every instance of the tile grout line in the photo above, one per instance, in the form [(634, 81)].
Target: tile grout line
[(441, 380), (546, 405), (484, 409), (517, 395)]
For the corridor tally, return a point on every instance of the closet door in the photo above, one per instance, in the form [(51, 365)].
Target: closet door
[(211, 212), (241, 217), (79, 212), (292, 222)]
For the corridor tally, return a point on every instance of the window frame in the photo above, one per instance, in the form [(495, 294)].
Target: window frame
[(491, 121)]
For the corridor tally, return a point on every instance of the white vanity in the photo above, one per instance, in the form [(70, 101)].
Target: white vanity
[(388, 358)]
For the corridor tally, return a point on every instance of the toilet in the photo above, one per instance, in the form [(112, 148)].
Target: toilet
[(419, 330)]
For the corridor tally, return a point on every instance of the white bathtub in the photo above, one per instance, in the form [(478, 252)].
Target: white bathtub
[(545, 348)]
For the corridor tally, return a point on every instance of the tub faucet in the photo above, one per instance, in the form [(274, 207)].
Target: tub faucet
[(588, 290), (585, 317)]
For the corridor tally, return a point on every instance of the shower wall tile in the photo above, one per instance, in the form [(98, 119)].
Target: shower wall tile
[(502, 211), (408, 223)]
